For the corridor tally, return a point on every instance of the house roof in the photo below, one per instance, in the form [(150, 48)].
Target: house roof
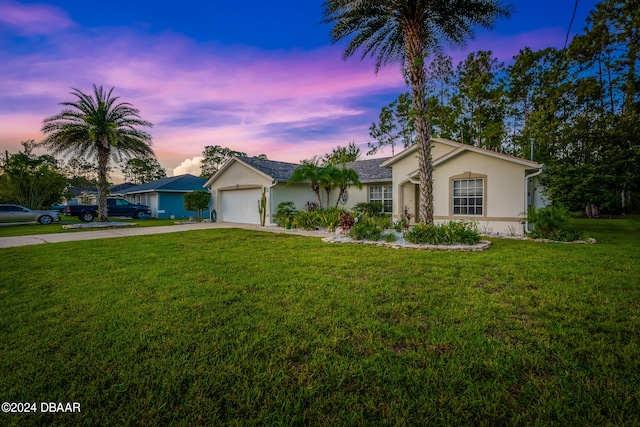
[(371, 170), (173, 184), (460, 148), (368, 170), (280, 171)]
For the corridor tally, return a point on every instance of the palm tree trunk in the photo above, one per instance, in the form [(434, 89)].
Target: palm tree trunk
[(103, 163), (414, 48)]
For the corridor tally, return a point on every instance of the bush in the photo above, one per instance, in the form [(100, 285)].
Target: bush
[(452, 232), (384, 221), (366, 229), (552, 223), (372, 209), (346, 221), (389, 237), (285, 213), (307, 220), (330, 218)]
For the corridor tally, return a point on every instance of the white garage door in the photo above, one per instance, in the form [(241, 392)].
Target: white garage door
[(240, 206)]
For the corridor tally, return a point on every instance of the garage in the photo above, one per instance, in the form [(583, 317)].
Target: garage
[(239, 206)]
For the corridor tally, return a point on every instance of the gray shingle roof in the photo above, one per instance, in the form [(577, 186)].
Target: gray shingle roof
[(280, 171), (368, 170), (178, 183)]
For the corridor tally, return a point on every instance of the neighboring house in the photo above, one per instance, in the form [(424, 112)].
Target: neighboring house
[(469, 183), (165, 197), (237, 187)]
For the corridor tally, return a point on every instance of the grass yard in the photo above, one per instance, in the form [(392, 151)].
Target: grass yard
[(238, 327), (7, 230)]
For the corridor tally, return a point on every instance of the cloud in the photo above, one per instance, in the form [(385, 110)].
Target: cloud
[(33, 19), (191, 166)]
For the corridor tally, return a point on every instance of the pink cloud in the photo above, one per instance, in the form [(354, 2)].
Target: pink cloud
[(289, 105), (31, 19)]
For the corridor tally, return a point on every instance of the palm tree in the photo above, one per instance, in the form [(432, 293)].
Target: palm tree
[(344, 178), (327, 179), (408, 31), (97, 127), (308, 171)]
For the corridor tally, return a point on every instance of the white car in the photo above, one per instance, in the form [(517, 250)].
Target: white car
[(16, 214)]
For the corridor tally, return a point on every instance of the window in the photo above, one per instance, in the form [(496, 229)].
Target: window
[(382, 194), (468, 196)]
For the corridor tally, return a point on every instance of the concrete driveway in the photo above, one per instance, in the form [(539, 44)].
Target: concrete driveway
[(37, 239)]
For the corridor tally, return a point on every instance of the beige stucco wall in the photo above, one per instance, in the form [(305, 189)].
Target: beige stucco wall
[(504, 188), (238, 176)]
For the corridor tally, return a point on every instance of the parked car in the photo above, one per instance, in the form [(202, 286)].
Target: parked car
[(116, 206), (17, 213)]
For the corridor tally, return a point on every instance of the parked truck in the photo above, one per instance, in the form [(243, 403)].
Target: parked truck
[(115, 207)]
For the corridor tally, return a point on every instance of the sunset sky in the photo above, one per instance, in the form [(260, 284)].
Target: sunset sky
[(254, 76)]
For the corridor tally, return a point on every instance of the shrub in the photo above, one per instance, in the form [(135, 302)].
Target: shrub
[(311, 206), (307, 220), (285, 213), (366, 229), (346, 221), (446, 234), (401, 225), (389, 237), (371, 209), (552, 223), (384, 221), (330, 218)]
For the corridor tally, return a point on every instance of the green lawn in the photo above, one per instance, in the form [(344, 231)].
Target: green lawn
[(7, 230), (239, 327)]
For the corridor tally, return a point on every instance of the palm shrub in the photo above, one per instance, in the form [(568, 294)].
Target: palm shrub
[(552, 222), (452, 232)]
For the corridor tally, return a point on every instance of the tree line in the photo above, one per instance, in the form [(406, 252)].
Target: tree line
[(576, 109)]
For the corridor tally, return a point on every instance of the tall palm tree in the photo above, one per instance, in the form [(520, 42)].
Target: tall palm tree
[(98, 127), (408, 31), (311, 172), (344, 178)]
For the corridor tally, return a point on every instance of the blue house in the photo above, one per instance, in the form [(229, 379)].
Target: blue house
[(165, 197)]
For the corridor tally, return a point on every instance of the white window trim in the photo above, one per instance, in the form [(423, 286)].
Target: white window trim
[(386, 196), (468, 176)]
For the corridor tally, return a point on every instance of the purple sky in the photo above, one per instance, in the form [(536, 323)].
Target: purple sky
[(254, 76)]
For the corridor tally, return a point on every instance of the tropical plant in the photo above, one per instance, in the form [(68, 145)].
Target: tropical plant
[(552, 222), (368, 208), (407, 31), (262, 207), (308, 171), (366, 229), (97, 126), (346, 221), (327, 180), (452, 232), (285, 213), (345, 177)]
